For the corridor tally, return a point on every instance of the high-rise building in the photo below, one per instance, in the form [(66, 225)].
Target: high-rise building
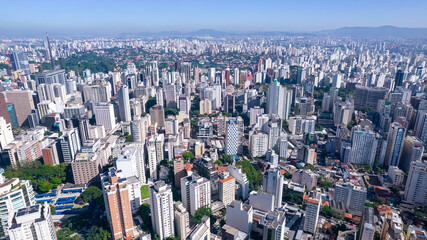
[(258, 144), (70, 144), (234, 136), (15, 194), (353, 197), (32, 222), (420, 128), (52, 76), (104, 115), (86, 168), (186, 69), (415, 190), (162, 211), (184, 104), (273, 184), (195, 192), (279, 100), (19, 61), (240, 216), (312, 214), (242, 180), (413, 150), (23, 102), (205, 106), (368, 97), (182, 220), (6, 134), (157, 114), (124, 105), (100, 91), (131, 162), (398, 80), (363, 146), (227, 188), (395, 138), (201, 230), (117, 204), (170, 96)]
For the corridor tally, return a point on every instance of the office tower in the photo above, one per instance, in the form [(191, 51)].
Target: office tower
[(240, 216), (395, 138), (6, 134), (104, 115), (398, 80), (70, 144), (15, 194), (181, 220), (23, 102), (202, 230), (258, 144), (420, 127), (279, 100), (312, 214), (415, 189), (84, 126), (273, 183), (170, 96), (296, 74), (353, 197), (137, 130), (205, 106), (413, 150), (242, 180), (124, 106), (184, 104), (117, 204), (162, 211), (19, 61), (368, 97), (157, 114), (52, 76), (33, 222), (363, 146), (186, 69), (234, 136), (227, 188), (195, 192)]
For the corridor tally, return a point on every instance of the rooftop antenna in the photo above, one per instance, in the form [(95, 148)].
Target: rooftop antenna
[(50, 52)]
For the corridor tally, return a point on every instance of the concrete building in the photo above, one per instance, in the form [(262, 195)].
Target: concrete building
[(363, 146), (227, 188), (395, 138), (353, 197), (32, 222), (234, 136), (124, 105), (195, 192), (420, 128), (312, 214), (413, 151), (262, 201), (23, 102), (396, 176), (305, 177), (104, 115), (205, 106), (86, 168), (70, 144), (6, 134), (273, 183), (202, 230), (131, 163), (162, 211), (279, 100), (182, 220), (230, 233), (240, 216), (117, 204), (415, 190), (241, 179), (258, 144), (157, 114)]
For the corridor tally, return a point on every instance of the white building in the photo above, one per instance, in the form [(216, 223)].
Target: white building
[(124, 105), (33, 222), (312, 215), (205, 106), (279, 100), (240, 216), (353, 197), (363, 146), (182, 221), (273, 183), (227, 188), (416, 190), (241, 179), (104, 114), (6, 134), (162, 212), (258, 144), (131, 162), (195, 192)]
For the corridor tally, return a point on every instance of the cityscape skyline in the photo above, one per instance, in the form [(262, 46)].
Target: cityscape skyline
[(94, 18)]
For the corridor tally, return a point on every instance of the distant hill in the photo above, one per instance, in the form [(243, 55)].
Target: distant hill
[(383, 31)]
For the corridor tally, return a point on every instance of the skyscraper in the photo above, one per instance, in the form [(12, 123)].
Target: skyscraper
[(413, 150), (117, 204), (104, 115), (234, 136), (124, 105), (279, 100), (420, 128), (398, 80), (363, 146), (19, 61), (162, 211), (227, 188), (23, 102), (273, 183), (395, 138), (312, 214)]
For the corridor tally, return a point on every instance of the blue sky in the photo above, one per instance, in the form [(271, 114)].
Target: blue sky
[(32, 17)]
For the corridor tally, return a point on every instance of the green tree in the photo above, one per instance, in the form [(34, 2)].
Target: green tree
[(52, 209), (326, 210), (144, 212), (227, 158), (92, 193), (96, 233), (188, 155), (45, 186), (201, 212), (218, 162)]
